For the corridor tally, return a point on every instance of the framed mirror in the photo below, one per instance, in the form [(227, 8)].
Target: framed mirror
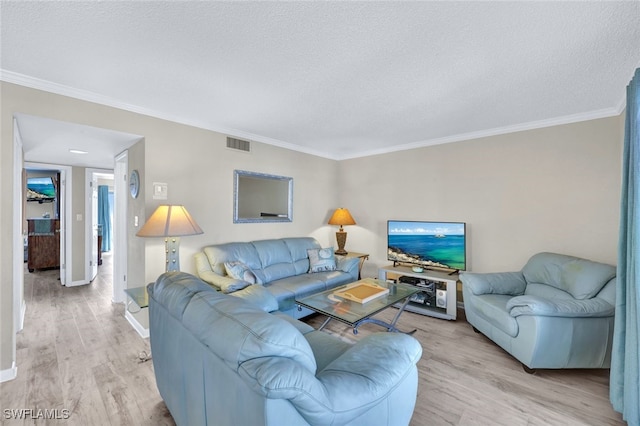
[(259, 197)]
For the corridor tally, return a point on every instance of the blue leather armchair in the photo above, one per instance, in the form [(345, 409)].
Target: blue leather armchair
[(221, 360), (558, 312)]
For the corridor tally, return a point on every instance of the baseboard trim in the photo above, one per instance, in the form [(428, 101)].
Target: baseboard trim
[(143, 332), (9, 374), (77, 283)]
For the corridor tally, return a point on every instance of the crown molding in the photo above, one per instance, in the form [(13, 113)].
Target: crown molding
[(85, 95), (622, 104), (558, 121), (35, 83)]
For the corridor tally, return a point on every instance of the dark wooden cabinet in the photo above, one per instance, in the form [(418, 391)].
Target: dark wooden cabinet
[(43, 244)]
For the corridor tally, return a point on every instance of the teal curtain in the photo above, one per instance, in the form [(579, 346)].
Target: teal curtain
[(104, 216), (625, 357)]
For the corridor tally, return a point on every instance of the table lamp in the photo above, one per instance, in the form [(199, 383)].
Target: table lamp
[(341, 217), (170, 222)]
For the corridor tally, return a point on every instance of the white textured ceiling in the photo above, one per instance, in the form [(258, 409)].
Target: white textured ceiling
[(336, 79)]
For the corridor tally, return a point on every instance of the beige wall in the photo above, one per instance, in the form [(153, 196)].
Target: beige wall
[(78, 227), (7, 337), (136, 207), (198, 169), (552, 189)]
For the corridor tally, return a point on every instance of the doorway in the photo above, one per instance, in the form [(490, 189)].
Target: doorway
[(100, 191), (56, 209), (46, 143)]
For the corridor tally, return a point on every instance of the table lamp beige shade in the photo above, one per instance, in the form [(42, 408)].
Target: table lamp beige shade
[(170, 222), (341, 217)]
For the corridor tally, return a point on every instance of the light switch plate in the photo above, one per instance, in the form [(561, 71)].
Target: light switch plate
[(160, 190)]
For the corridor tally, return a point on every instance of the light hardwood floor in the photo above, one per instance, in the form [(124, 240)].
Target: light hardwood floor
[(77, 352)]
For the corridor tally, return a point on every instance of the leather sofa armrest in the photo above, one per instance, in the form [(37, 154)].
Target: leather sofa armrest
[(349, 265), (204, 271), (258, 296), (377, 374), (347, 387), (573, 308), (222, 283), (510, 283), (363, 373), (266, 376)]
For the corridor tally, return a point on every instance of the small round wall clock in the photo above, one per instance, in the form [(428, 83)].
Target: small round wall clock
[(134, 184)]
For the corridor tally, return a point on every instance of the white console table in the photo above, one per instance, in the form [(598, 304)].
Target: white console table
[(446, 308)]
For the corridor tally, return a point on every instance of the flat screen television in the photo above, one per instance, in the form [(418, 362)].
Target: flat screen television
[(41, 189), (433, 245)]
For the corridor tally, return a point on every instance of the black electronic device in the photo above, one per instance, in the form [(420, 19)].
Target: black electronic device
[(410, 280), (434, 294)]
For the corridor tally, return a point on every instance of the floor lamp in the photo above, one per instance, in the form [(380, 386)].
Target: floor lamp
[(170, 222)]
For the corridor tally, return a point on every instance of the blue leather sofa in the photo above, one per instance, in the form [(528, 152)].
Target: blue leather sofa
[(557, 312), (221, 360), (280, 265)]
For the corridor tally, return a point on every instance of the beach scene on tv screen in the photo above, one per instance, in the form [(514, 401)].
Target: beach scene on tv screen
[(40, 188), (429, 244)]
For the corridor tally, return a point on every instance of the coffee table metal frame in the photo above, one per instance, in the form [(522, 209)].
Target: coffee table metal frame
[(355, 314)]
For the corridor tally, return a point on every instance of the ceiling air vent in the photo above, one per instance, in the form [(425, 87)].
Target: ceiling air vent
[(238, 144)]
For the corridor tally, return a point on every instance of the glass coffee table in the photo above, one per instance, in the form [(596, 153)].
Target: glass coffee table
[(356, 313)]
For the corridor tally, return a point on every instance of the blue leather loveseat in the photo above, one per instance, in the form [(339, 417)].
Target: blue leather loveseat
[(279, 265), (221, 360), (557, 312)]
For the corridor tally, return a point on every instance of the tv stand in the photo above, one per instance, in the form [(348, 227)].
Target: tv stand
[(444, 284)]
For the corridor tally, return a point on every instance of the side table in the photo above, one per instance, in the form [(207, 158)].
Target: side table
[(139, 297)]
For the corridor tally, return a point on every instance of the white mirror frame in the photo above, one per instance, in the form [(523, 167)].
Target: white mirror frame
[(237, 174)]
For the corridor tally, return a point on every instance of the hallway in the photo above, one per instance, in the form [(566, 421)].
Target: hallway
[(78, 357)]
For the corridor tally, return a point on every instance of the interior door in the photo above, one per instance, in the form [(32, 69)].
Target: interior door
[(93, 185), (120, 249), (62, 226)]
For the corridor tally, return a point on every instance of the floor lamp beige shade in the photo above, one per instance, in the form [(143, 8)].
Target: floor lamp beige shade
[(170, 222), (341, 217)]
